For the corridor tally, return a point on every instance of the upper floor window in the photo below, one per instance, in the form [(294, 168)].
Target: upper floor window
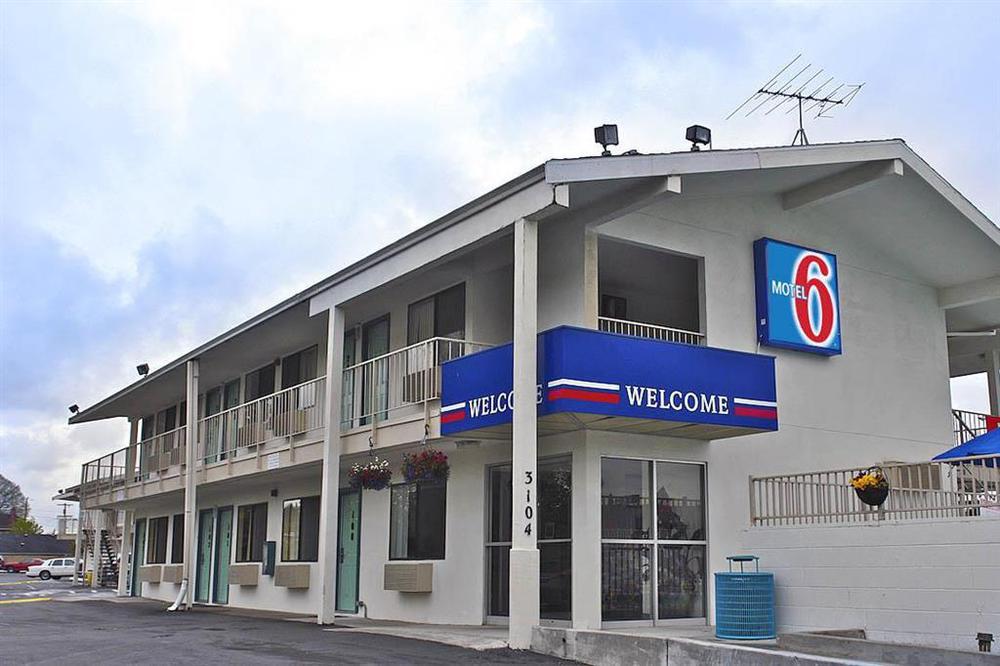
[(299, 367), (439, 316), (260, 382)]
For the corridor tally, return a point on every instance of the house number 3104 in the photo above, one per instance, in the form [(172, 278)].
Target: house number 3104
[(529, 511)]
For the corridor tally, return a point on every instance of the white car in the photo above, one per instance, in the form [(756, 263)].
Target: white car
[(56, 568)]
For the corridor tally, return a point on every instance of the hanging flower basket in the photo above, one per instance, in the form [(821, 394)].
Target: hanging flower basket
[(426, 465), (372, 475), (871, 486)]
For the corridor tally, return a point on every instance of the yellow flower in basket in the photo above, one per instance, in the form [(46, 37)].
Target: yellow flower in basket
[(868, 480)]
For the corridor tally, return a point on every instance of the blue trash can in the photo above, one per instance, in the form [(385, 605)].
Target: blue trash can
[(744, 602)]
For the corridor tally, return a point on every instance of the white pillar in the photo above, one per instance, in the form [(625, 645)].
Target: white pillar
[(79, 524), (329, 497), (124, 554), (993, 379), (190, 487), (100, 522), (591, 281), (130, 452), (524, 613)]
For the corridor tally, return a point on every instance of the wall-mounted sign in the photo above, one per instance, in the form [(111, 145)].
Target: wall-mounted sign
[(798, 297), (589, 372)]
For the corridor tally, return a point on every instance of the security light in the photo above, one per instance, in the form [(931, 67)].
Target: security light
[(606, 135), (73, 409), (697, 134), (142, 369)]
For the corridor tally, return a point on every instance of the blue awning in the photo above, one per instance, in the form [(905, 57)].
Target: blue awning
[(984, 445)]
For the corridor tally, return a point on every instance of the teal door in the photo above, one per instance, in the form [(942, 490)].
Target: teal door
[(348, 551), (203, 575), (223, 554), (138, 555)]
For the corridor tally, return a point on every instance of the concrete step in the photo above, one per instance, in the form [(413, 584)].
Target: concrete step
[(622, 647), (830, 645)]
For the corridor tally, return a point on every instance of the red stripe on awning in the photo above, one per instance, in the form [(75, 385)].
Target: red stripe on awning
[(456, 415), (582, 394), (756, 412)]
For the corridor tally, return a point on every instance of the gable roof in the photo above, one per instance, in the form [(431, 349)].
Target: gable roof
[(583, 170)]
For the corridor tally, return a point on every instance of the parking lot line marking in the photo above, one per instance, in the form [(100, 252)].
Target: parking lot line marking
[(20, 582), (25, 601)]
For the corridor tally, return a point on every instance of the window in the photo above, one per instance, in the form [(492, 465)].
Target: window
[(652, 519), (554, 531), (157, 547), (299, 367), (251, 526), (440, 316), (177, 540), (416, 521), (260, 383), (300, 530), (615, 307)]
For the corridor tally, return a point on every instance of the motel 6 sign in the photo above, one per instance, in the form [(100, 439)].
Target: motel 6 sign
[(798, 297)]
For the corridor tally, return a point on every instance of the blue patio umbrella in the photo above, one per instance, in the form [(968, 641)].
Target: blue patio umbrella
[(984, 445)]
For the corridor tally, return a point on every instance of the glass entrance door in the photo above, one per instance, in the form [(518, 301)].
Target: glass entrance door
[(348, 551), (203, 575), (138, 556), (555, 480), (223, 555), (653, 540)]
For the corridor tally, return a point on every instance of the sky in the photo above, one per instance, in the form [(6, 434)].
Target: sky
[(168, 170)]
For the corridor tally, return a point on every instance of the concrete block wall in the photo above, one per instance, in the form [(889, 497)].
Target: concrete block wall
[(934, 582)]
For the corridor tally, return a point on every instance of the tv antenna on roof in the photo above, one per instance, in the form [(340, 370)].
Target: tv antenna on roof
[(796, 84)]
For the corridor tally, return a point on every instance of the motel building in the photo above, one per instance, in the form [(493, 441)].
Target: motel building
[(631, 364)]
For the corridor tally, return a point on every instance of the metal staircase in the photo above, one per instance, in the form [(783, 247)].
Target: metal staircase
[(101, 546)]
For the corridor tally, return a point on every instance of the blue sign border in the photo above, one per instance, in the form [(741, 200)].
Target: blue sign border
[(762, 301)]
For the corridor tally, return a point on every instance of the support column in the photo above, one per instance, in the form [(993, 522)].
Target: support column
[(125, 552), (591, 282), (524, 612), (100, 522), (330, 494), (190, 487), (132, 450), (79, 524), (993, 379)]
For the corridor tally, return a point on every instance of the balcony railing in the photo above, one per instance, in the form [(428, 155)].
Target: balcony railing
[(407, 377), (105, 474), (293, 411), (937, 489), (159, 453), (640, 329), (372, 390), (969, 425)]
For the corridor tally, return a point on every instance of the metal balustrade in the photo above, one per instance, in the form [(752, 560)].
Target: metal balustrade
[(640, 329), (372, 390), (159, 453), (104, 474), (407, 377), (293, 411), (969, 425), (956, 488)]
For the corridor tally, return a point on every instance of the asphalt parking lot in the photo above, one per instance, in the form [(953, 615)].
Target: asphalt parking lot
[(53, 623)]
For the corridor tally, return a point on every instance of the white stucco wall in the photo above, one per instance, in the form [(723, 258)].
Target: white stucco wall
[(931, 583)]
